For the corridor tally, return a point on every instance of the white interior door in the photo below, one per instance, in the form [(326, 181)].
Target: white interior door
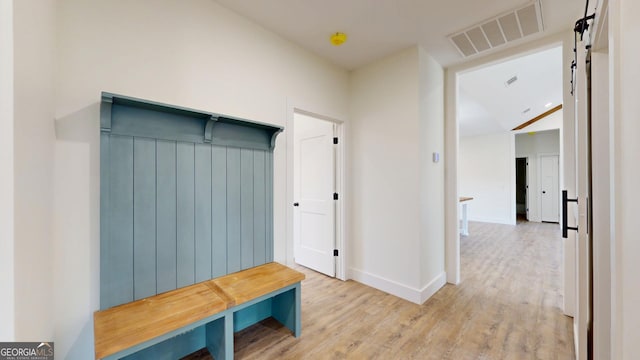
[(549, 186), (314, 184)]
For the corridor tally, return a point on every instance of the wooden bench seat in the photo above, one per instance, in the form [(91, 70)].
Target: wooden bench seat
[(250, 284), (127, 325), (221, 305)]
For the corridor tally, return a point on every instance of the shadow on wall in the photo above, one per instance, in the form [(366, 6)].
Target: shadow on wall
[(76, 231)]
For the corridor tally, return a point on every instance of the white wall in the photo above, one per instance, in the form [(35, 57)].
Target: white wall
[(33, 157), (625, 50), (487, 174), (385, 174), (487, 169), (195, 54), (393, 247), (532, 145), (7, 316), (431, 105)]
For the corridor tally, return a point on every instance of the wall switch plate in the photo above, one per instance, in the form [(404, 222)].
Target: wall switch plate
[(436, 157)]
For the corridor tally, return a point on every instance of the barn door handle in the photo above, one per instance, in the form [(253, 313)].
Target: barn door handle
[(565, 202)]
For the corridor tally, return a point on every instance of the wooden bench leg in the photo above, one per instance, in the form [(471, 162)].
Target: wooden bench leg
[(286, 309), (220, 337)]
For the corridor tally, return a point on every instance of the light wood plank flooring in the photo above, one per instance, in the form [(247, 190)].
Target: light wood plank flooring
[(508, 306)]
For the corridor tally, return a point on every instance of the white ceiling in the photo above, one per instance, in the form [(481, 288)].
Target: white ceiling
[(377, 28), (488, 105)]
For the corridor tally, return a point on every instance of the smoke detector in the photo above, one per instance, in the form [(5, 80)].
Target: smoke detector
[(338, 38)]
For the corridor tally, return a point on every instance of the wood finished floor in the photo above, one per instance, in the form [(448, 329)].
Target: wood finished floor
[(508, 306)]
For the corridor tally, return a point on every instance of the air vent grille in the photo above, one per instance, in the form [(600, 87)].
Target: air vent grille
[(499, 30)]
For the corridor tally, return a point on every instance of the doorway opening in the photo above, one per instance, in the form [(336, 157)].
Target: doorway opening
[(522, 189), (493, 101)]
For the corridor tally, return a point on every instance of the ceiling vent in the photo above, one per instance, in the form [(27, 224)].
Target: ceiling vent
[(499, 30)]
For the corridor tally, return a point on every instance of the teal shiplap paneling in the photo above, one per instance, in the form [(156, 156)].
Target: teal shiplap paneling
[(269, 200), (185, 252), (166, 259), (218, 211), (234, 261), (119, 257), (105, 218), (246, 208), (178, 207), (259, 208), (144, 217), (203, 211)]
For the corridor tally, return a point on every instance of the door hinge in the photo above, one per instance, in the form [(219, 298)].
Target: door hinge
[(335, 140), (335, 252), (335, 196)]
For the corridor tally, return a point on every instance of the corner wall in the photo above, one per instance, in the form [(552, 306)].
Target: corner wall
[(396, 222), (431, 185), (385, 174)]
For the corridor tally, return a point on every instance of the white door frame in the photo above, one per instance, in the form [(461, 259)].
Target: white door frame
[(293, 108), (452, 239)]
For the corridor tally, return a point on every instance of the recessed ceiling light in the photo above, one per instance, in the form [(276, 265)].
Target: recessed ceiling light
[(548, 105)]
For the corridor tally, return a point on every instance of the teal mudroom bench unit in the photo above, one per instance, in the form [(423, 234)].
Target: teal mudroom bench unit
[(186, 208), (203, 315)]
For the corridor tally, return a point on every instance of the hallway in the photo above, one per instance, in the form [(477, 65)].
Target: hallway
[(506, 307)]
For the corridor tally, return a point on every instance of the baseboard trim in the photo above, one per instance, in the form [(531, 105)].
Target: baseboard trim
[(409, 293), (432, 287), (494, 220)]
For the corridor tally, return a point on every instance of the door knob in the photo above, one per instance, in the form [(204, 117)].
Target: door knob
[(296, 204), (544, 192)]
